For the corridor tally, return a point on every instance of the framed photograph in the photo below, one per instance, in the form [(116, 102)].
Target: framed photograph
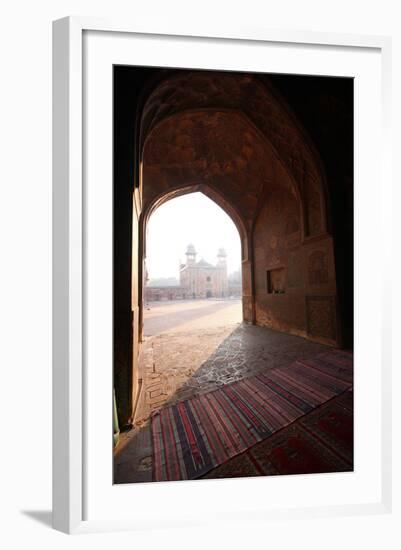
[(220, 323)]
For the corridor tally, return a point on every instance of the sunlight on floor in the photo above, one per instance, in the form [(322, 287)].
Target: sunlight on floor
[(169, 360)]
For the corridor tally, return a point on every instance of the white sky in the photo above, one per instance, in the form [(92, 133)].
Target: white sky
[(192, 218)]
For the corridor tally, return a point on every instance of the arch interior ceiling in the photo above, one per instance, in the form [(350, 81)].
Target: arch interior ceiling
[(233, 133)]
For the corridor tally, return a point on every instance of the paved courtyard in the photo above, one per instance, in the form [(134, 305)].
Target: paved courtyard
[(192, 348), (186, 315)]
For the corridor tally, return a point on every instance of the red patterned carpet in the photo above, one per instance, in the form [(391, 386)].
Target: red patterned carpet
[(193, 437), (320, 442)]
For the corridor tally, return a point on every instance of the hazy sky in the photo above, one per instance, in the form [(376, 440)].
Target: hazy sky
[(192, 218)]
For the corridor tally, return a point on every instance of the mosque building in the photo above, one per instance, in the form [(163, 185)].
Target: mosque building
[(202, 279), (198, 279)]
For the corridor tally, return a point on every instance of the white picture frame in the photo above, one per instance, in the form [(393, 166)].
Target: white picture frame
[(73, 402)]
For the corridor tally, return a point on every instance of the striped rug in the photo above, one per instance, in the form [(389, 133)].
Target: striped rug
[(192, 437), (320, 442)]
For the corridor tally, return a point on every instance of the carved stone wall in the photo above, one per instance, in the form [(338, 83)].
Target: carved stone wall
[(305, 268), (295, 269), (320, 288), (313, 205), (247, 293), (317, 268), (321, 317), (279, 263)]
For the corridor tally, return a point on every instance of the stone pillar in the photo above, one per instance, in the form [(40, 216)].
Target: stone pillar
[(247, 293)]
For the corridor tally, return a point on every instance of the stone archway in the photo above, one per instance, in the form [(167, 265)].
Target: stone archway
[(234, 135), (258, 103), (231, 137), (231, 212)]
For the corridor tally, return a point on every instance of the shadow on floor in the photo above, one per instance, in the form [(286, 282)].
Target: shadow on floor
[(40, 516)]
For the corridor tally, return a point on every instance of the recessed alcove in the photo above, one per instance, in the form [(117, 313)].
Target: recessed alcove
[(275, 281)]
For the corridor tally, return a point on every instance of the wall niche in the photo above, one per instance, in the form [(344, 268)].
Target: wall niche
[(275, 281)]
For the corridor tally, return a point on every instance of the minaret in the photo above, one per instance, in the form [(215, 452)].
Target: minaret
[(222, 265), (222, 257), (190, 254)]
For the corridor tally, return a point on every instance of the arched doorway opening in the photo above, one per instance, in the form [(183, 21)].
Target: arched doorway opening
[(206, 287), (192, 250)]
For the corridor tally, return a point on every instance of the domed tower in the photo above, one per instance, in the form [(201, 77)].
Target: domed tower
[(190, 254), (221, 257), (222, 281)]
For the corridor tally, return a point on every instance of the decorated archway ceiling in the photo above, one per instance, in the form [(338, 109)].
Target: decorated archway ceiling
[(232, 132), (221, 149)]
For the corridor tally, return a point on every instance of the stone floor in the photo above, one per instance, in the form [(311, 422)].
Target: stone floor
[(180, 363), (177, 366)]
